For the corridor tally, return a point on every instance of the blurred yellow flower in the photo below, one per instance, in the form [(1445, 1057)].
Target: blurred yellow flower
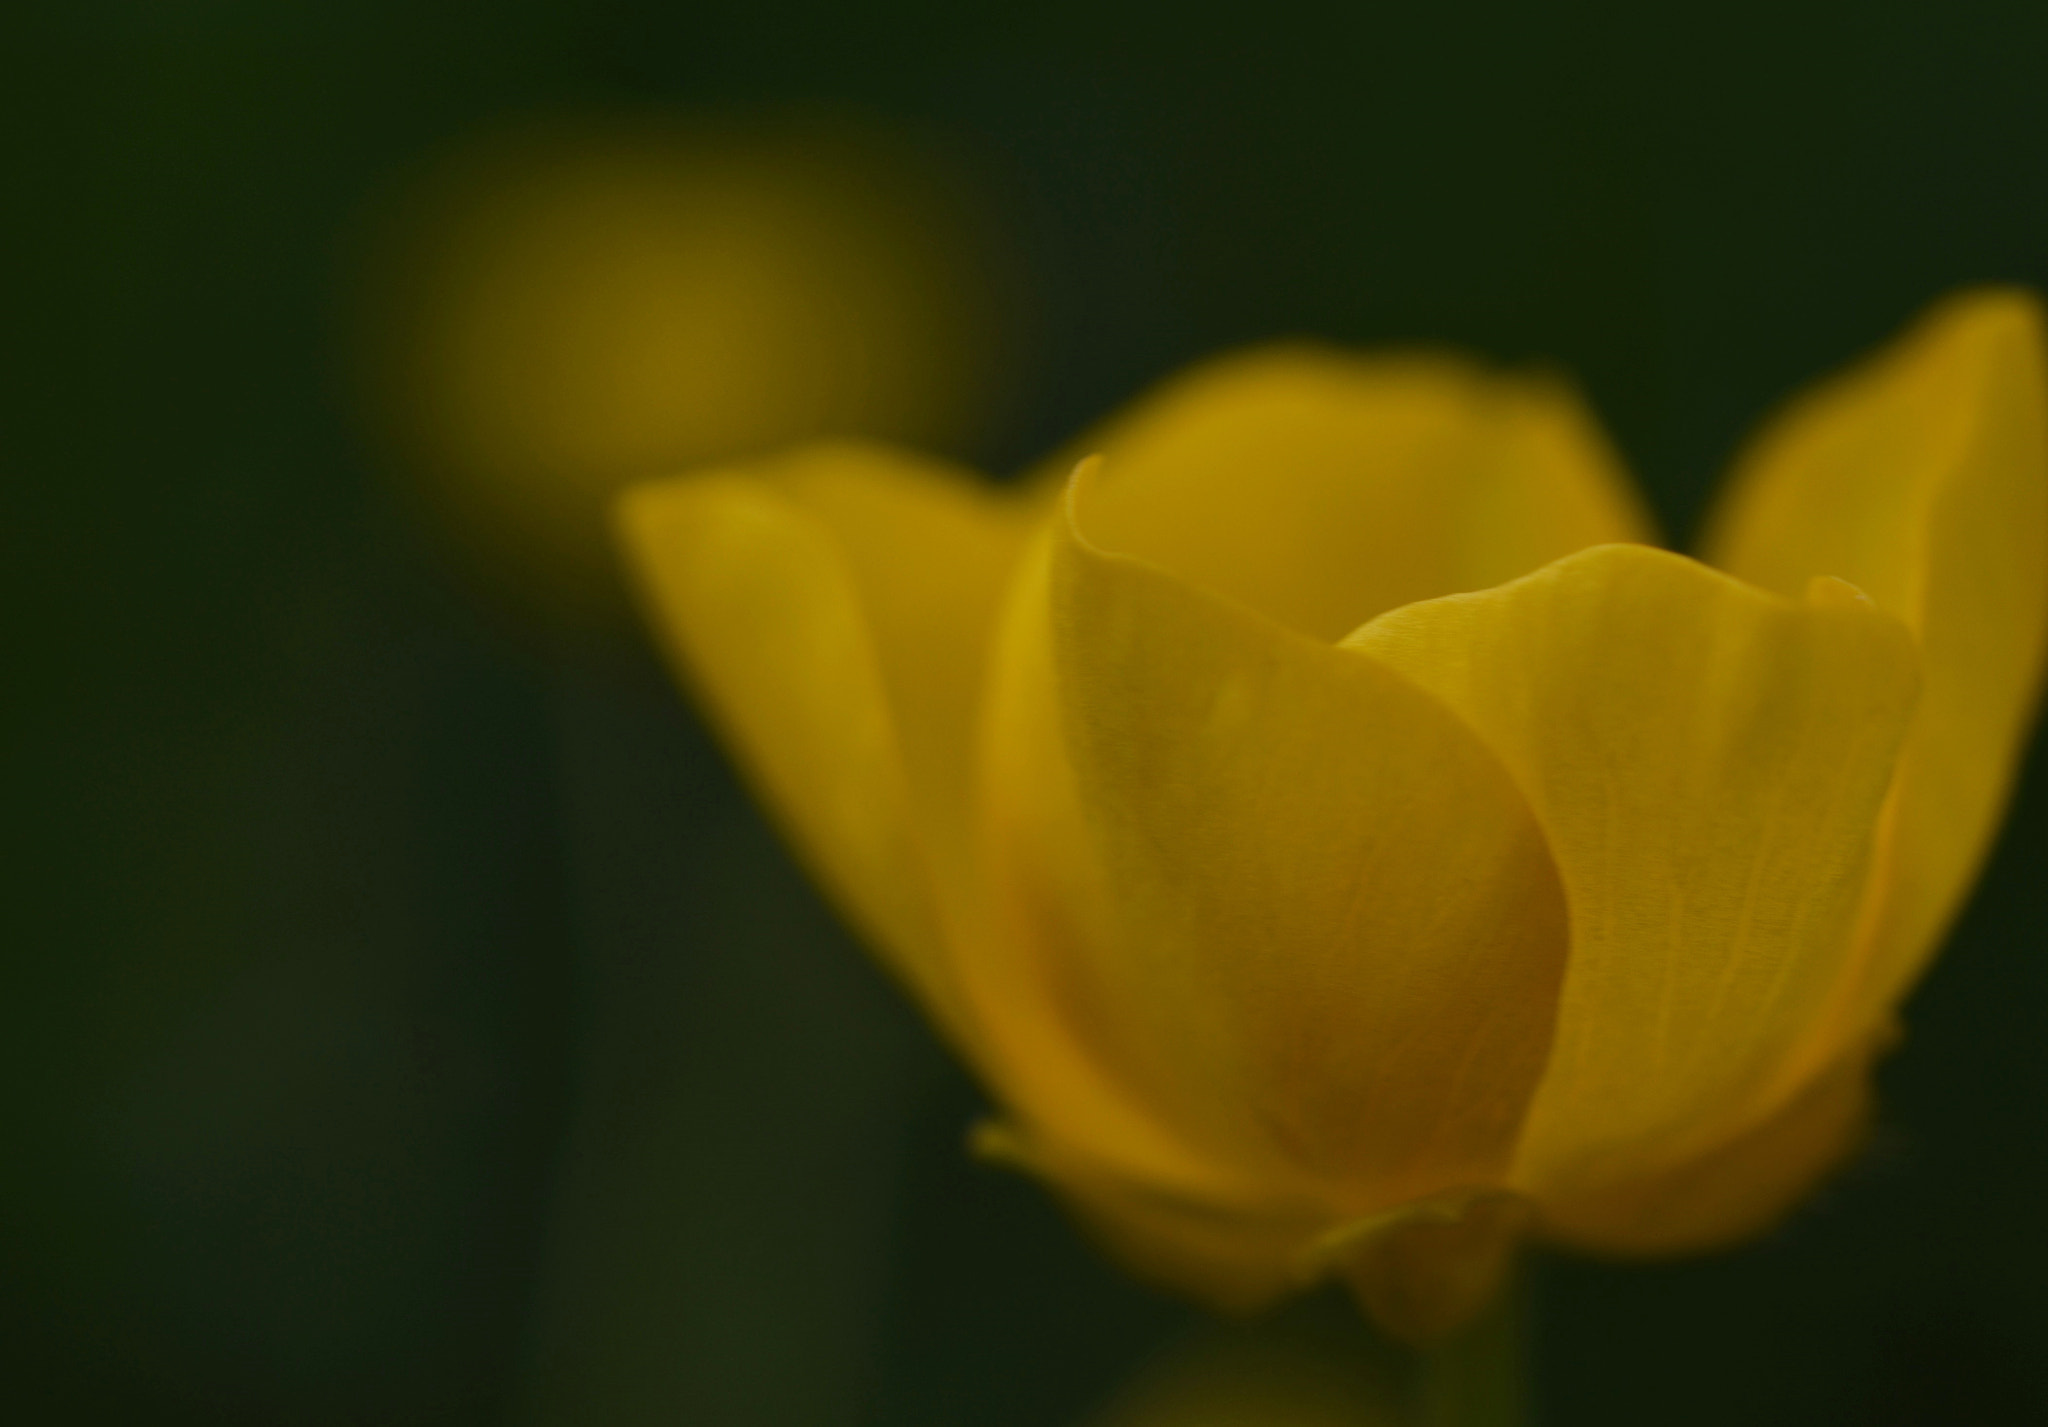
[(1340, 849), (561, 307)]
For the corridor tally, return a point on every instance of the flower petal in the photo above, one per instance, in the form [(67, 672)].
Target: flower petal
[(832, 607), (1322, 488), (1234, 1256), (1272, 887), (931, 550), (1922, 478), (1734, 1192), (1708, 762)]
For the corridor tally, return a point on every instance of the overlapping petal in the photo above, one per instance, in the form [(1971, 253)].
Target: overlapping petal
[(1731, 1192), (1282, 895), (1707, 762), (1237, 1246), (1322, 488), (833, 609), (1921, 477)]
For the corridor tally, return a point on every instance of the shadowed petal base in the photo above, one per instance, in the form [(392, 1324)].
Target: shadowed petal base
[(1736, 1192), (1428, 1270)]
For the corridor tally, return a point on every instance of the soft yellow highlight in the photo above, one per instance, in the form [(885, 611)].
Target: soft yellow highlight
[(567, 307), (1342, 846)]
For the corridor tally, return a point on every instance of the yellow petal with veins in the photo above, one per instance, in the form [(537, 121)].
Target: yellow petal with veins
[(1284, 897), (1707, 762), (833, 609), (1922, 478), (1322, 488)]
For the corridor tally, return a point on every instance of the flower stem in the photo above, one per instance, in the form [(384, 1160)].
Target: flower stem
[(1479, 1378)]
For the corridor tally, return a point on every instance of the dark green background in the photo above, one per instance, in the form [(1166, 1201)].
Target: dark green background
[(401, 1025)]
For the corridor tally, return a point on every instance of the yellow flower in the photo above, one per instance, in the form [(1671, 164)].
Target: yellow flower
[(1338, 848)]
